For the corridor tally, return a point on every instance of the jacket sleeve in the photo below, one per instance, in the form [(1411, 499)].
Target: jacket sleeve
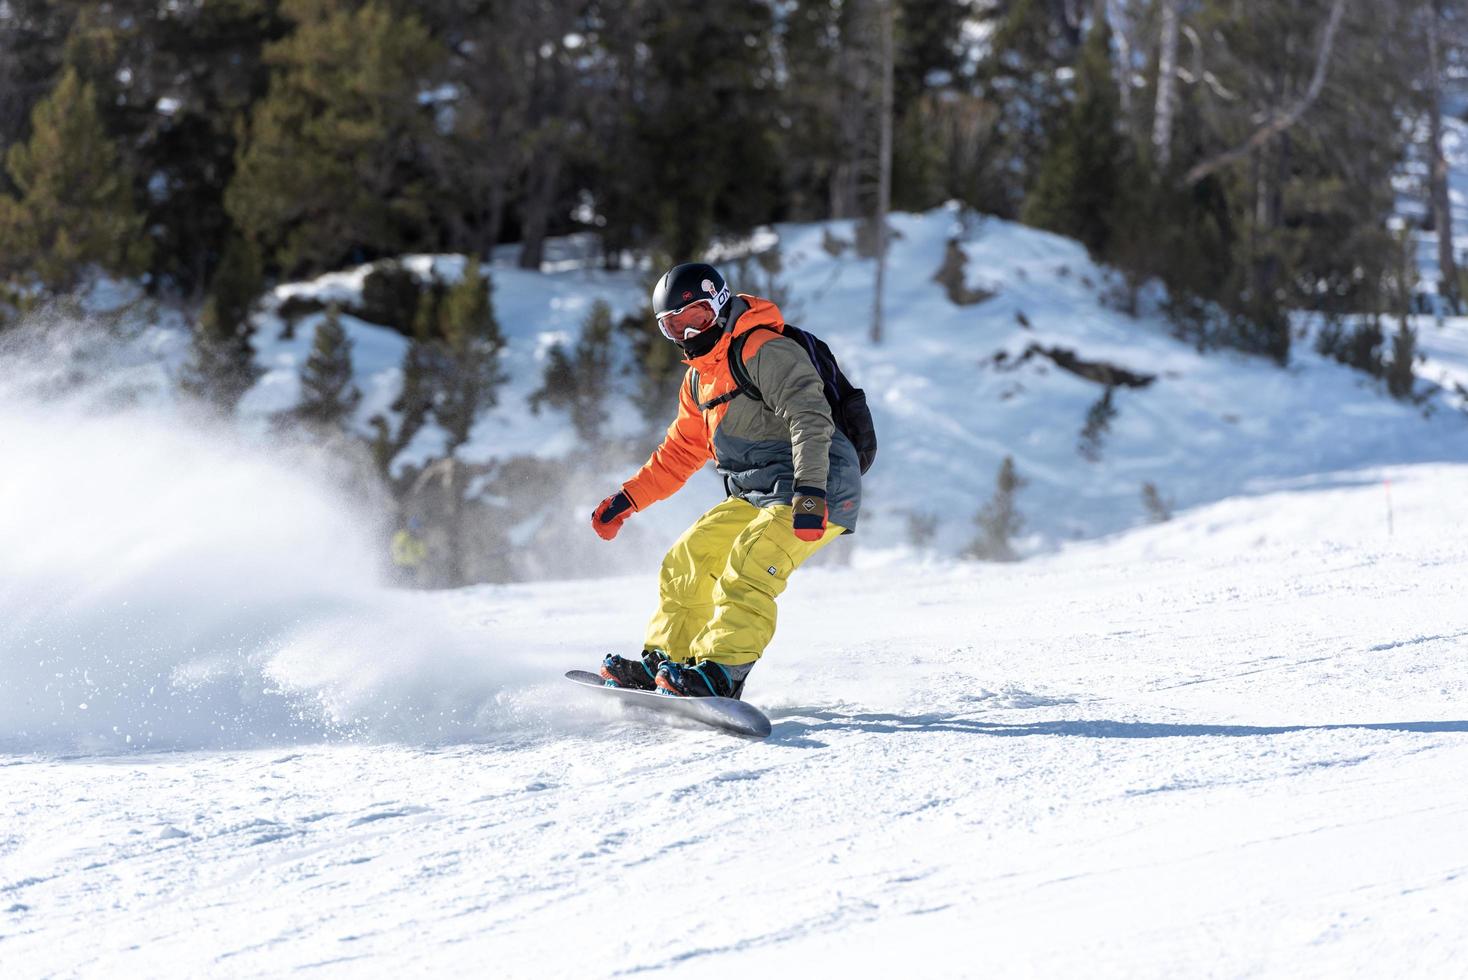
[(683, 451), (793, 389)]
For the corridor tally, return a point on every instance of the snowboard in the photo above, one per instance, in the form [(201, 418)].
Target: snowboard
[(725, 713)]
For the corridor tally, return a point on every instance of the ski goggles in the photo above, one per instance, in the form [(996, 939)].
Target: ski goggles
[(688, 321)]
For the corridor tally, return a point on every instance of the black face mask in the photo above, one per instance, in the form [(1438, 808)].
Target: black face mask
[(703, 343)]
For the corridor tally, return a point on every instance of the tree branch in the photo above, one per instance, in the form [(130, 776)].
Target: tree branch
[(1280, 122), (1199, 73)]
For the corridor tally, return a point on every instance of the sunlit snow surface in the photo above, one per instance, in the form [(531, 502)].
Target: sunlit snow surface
[(1232, 744), (1229, 745)]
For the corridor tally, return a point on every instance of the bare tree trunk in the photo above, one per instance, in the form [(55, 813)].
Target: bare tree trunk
[(1277, 173), (1266, 166), (1442, 210), (1116, 15), (1269, 168), (843, 190), (853, 115), (494, 222), (884, 164), (546, 172), (1278, 121), (1166, 86)]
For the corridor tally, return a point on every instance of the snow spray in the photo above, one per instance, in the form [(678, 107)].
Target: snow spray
[(166, 583)]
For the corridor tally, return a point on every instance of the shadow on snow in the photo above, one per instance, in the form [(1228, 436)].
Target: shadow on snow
[(793, 728)]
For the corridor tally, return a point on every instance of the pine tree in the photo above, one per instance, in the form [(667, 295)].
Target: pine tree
[(1362, 349), (1159, 511), (329, 172), (486, 42), (221, 365), (829, 100), (1300, 81), (175, 82), (554, 120), (579, 380), (931, 50), (660, 367), (453, 366), (1098, 423), (708, 66), (1080, 175), (947, 150), (32, 36), (657, 366), (422, 368), (1031, 41), (1401, 377), (328, 396), (810, 45), (471, 345), (76, 199), (413, 405), (999, 520)]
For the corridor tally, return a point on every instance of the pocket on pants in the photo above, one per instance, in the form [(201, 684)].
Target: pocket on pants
[(766, 566)]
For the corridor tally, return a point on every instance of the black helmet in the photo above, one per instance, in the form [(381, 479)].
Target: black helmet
[(688, 300)]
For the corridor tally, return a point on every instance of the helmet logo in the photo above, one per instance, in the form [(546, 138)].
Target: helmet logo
[(721, 296), (687, 294)]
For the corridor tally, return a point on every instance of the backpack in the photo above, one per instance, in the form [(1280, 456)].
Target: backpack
[(848, 403)]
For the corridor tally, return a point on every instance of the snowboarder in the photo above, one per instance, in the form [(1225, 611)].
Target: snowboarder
[(792, 476)]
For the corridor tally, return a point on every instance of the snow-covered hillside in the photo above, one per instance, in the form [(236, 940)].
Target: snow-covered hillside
[(1229, 745), (952, 389), (1226, 744)]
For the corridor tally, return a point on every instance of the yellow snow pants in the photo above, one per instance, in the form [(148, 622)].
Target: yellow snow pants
[(718, 584)]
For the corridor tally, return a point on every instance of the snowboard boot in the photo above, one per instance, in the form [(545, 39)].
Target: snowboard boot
[(705, 679), (637, 674)]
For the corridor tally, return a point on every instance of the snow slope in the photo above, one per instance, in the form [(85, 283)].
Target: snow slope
[(1228, 745), (950, 388)]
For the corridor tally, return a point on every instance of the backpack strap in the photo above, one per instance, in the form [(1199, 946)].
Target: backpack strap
[(728, 396), (743, 383)]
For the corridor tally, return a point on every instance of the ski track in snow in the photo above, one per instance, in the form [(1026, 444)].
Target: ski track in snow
[(1228, 745)]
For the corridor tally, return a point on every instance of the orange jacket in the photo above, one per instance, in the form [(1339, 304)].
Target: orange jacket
[(766, 446), (689, 442)]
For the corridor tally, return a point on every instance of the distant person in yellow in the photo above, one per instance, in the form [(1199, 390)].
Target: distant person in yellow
[(410, 554)]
